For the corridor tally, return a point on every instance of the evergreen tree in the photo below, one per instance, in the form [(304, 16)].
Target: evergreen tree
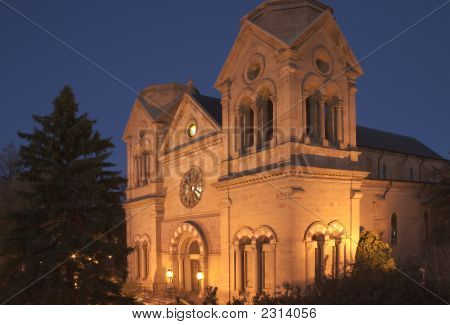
[(68, 245)]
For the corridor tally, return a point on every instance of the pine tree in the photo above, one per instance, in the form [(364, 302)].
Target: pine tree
[(68, 245)]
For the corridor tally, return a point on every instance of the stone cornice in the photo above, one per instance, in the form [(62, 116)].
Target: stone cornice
[(290, 171)]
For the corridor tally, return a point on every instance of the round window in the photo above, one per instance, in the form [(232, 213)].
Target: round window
[(253, 71), (322, 60), (323, 66), (191, 187), (192, 130)]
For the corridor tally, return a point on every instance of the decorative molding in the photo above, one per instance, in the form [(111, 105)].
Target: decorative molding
[(225, 203)]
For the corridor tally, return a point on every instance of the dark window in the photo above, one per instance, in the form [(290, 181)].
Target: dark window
[(411, 174), (268, 121), (394, 229)]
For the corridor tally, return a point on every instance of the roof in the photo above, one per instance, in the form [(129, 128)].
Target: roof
[(382, 140), (287, 19), (211, 105)]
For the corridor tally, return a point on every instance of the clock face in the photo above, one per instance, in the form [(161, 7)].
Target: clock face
[(191, 187)]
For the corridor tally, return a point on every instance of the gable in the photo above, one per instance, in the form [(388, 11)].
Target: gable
[(191, 112), (138, 116), (327, 26), (250, 37)]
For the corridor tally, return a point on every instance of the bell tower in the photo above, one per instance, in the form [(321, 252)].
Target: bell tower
[(289, 83)]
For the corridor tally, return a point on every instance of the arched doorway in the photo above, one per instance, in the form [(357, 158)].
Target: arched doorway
[(189, 256)]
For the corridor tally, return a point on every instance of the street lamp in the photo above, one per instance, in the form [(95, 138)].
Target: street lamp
[(200, 276)]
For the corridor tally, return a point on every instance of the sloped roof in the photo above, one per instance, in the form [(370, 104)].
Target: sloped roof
[(287, 19), (211, 105), (382, 140), (161, 101)]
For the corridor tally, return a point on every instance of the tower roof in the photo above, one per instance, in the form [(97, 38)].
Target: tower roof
[(286, 19)]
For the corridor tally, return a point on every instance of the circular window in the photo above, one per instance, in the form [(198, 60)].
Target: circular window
[(253, 71), (323, 66), (191, 187), (192, 130), (254, 68), (322, 60)]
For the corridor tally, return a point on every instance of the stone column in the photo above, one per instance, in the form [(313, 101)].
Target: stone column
[(322, 131), (256, 127), (355, 222), (255, 268), (304, 116), (274, 268), (181, 285), (339, 113), (137, 172)]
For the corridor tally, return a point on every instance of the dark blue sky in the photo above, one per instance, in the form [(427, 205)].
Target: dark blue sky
[(405, 89)]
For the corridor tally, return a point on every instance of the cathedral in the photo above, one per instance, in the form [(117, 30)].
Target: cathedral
[(274, 181)]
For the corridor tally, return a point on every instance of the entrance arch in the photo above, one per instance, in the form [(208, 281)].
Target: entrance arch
[(188, 252)]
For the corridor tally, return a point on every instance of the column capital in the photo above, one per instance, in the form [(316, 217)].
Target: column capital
[(339, 104), (255, 107), (322, 99)]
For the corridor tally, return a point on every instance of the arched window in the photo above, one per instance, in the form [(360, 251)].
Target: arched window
[(267, 119), (245, 263), (319, 256), (263, 250), (145, 261), (247, 125), (138, 259), (329, 122), (394, 229), (426, 225)]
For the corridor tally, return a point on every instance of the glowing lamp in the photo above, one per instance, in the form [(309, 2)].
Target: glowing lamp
[(169, 274), (200, 276)]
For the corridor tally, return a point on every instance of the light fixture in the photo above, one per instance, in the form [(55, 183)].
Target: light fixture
[(200, 275), (169, 275), (110, 257), (73, 256)]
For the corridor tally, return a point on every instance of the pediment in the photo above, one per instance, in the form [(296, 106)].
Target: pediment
[(138, 116), (189, 112), (250, 37), (327, 27)]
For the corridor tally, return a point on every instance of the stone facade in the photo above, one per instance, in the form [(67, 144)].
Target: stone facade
[(284, 186)]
